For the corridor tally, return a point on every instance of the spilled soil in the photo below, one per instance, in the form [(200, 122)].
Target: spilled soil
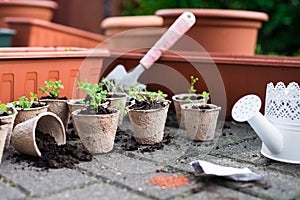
[(53, 155), (127, 142)]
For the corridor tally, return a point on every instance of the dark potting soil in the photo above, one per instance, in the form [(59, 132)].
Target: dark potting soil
[(101, 110), (146, 105), (4, 114), (202, 107), (55, 156), (54, 97), (190, 98), (37, 105), (128, 143), (114, 95)]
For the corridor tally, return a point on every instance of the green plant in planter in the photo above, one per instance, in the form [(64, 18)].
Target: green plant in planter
[(96, 125), (144, 99), (3, 109), (192, 88), (52, 88), (24, 102), (148, 114), (96, 95), (205, 96)]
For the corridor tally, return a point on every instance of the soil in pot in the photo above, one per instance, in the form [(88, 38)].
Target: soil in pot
[(147, 105), (53, 155)]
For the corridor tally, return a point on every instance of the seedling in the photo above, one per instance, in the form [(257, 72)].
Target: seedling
[(110, 86), (96, 94), (52, 88), (192, 88), (3, 109), (205, 96), (24, 102)]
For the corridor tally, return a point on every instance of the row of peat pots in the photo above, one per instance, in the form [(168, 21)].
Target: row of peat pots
[(95, 118)]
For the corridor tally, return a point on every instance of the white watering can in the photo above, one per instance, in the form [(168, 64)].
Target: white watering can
[(279, 129)]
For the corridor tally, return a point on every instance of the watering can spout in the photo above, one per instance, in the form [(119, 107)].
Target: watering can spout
[(247, 109)]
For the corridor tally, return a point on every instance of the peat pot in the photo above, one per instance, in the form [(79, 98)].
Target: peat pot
[(200, 123), (97, 132), (178, 100), (23, 137), (148, 125)]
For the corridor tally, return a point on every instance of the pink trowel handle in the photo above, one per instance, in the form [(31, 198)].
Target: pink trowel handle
[(182, 24)]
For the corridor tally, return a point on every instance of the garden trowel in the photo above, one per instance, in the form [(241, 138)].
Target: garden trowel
[(182, 24)]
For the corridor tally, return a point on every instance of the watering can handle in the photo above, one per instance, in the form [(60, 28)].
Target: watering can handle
[(182, 24)]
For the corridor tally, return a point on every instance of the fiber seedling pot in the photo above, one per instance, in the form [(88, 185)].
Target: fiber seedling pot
[(4, 129), (148, 125), (200, 124), (23, 137), (60, 108), (10, 120), (28, 113), (97, 132), (118, 103), (179, 100), (73, 105)]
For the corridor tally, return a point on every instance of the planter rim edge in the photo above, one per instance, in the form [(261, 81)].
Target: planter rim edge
[(47, 4), (216, 13)]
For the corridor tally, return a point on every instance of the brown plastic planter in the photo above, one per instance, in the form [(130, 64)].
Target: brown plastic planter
[(21, 8), (24, 70), (241, 75), (140, 30), (41, 33), (220, 31)]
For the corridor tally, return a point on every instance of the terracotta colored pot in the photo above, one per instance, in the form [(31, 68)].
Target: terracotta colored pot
[(32, 9), (4, 129), (178, 101), (23, 137), (97, 132), (200, 124), (28, 113), (30, 67), (136, 30), (148, 125), (10, 119), (226, 77), (60, 108), (38, 33), (221, 31), (118, 103)]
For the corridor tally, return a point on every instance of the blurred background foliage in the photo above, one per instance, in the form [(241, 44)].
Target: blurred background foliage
[(279, 36)]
